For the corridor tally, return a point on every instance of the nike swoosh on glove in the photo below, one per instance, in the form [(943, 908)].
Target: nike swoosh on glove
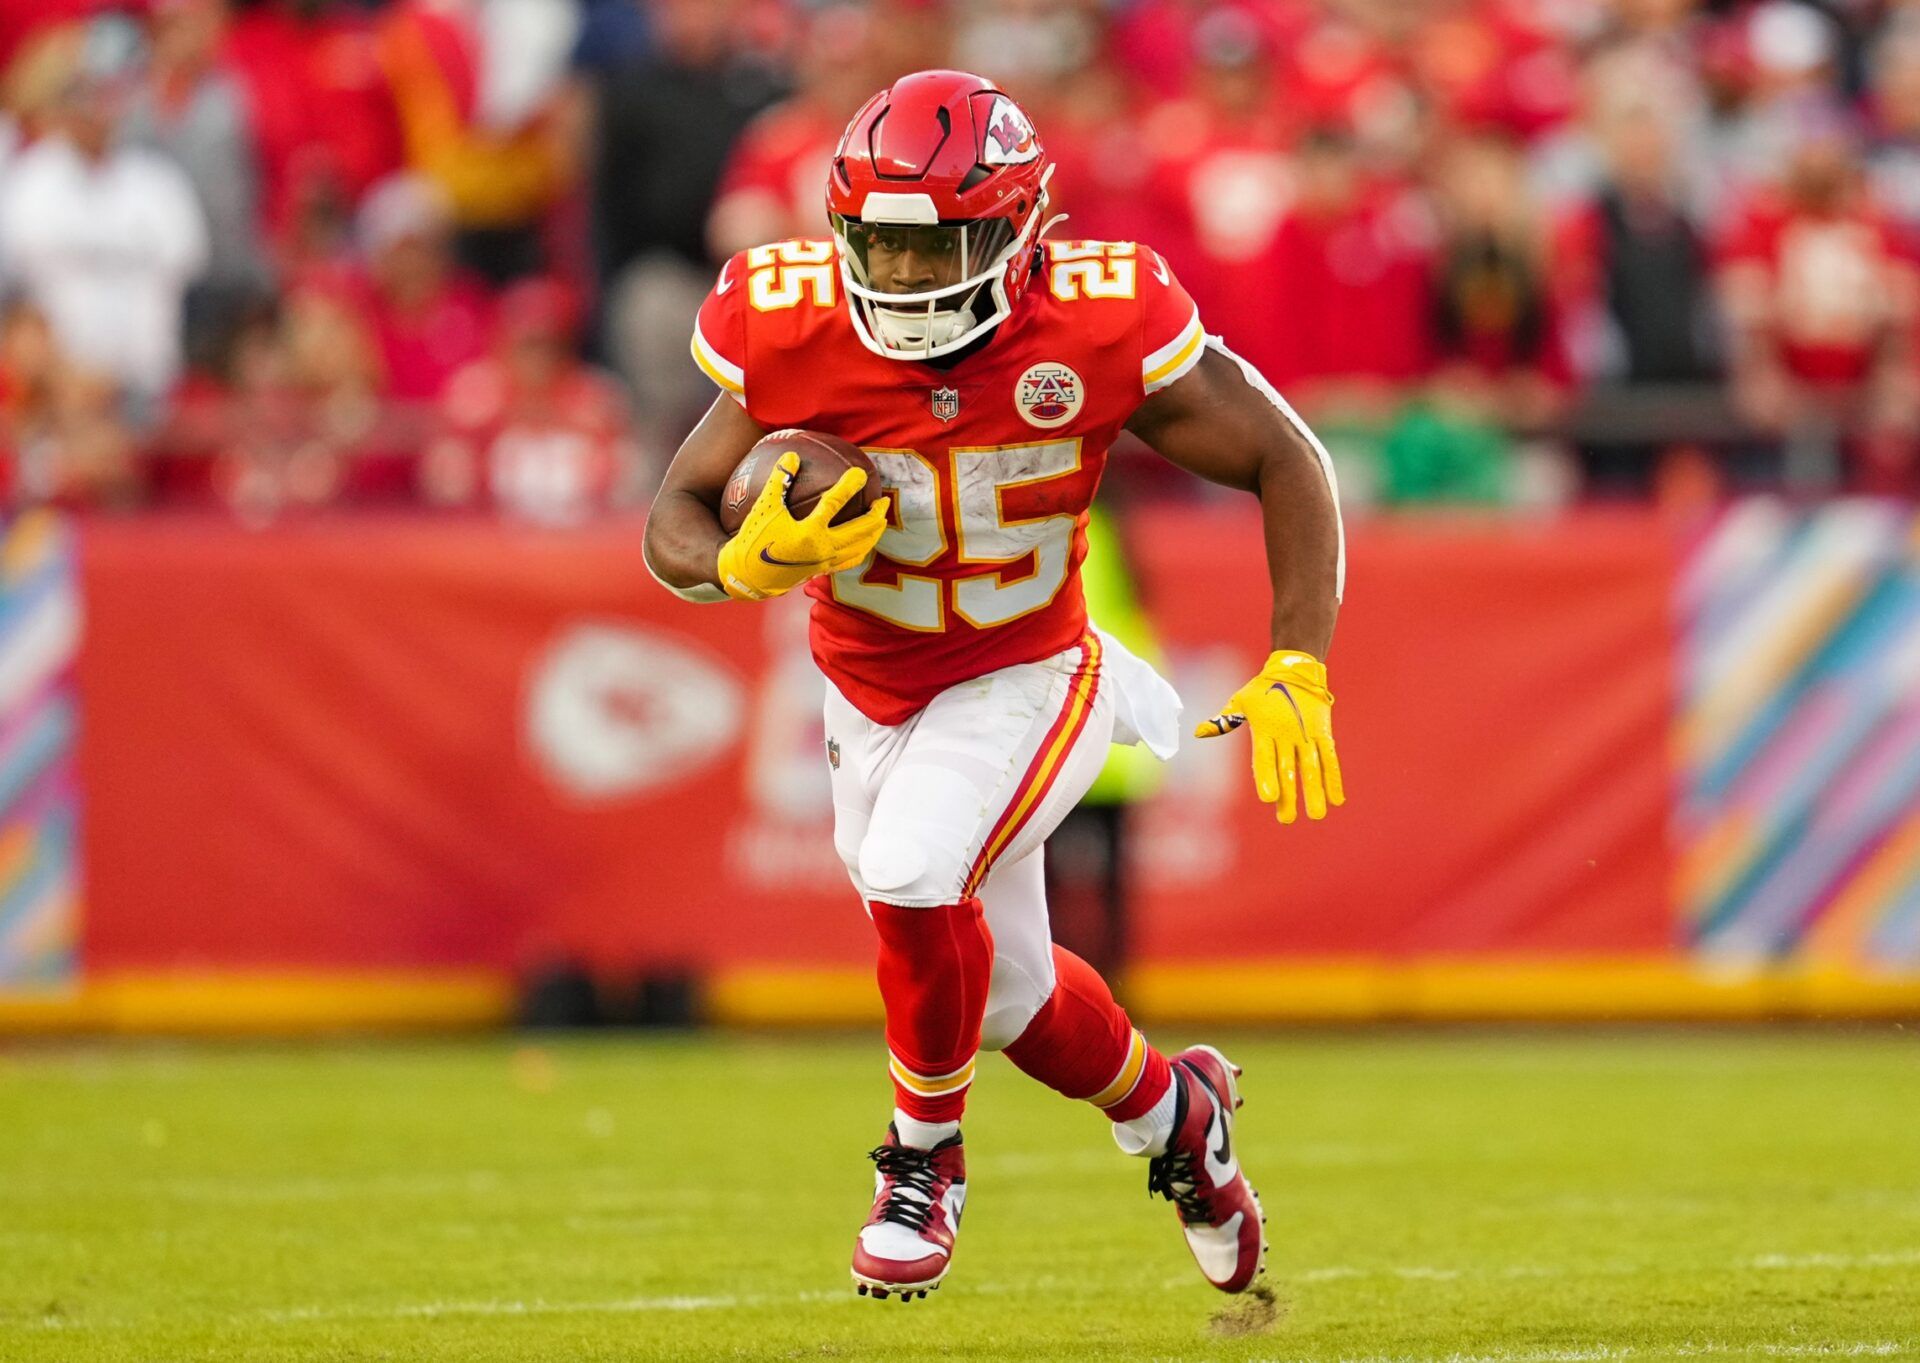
[(1290, 712), (772, 552)]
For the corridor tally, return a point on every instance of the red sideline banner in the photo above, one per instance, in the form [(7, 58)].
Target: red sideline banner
[(394, 746)]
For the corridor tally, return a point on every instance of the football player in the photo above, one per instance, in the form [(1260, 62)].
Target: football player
[(986, 371)]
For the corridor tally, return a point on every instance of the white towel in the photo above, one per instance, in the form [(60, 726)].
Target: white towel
[(1146, 708)]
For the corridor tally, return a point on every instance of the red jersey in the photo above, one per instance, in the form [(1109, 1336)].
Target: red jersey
[(991, 462), (553, 454), (1835, 283)]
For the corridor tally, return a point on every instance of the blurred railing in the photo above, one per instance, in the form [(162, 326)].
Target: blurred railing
[(265, 457)]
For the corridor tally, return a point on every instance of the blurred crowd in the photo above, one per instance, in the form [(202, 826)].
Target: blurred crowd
[(295, 254)]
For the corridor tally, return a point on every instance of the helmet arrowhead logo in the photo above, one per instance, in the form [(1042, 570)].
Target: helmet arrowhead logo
[(1010, 140)]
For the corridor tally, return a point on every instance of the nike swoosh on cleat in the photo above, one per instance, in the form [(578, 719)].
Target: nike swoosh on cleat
[(1224, 1154)]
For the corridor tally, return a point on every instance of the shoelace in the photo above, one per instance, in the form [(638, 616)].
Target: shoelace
[(910, 1170), (1171, 1176)]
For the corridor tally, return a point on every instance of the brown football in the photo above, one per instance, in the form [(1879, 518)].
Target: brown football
[(823, 459)]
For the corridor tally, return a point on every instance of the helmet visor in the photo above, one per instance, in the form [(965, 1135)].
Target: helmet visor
[(938, 260)]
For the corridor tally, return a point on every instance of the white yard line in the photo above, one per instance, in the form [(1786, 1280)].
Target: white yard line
[(1894, 1259)]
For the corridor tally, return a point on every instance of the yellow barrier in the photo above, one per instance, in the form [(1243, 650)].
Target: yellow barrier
[(1289, 992)]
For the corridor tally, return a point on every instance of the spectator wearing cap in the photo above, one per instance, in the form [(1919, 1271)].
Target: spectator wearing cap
[(103, 236), (1788, 69), (529, 431), (429, 317)]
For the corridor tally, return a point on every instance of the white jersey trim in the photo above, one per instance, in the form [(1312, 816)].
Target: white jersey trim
[(731, 378), (1175, 358), (1258, 380)]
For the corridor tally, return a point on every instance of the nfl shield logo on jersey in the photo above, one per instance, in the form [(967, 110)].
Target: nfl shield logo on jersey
[(833, 753), (1049, 395), (946, 403)]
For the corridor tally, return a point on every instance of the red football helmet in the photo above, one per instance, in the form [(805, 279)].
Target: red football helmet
[(937, 195)]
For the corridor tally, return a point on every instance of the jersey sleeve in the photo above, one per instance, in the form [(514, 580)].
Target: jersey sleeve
[(1171, 337), (720, 332)]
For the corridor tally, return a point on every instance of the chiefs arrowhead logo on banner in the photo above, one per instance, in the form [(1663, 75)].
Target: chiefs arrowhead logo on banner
[(1010, 140), (614, 709)]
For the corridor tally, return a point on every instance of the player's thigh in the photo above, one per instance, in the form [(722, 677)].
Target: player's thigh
[(856, 752), (1047, 795), (1014, 898), (977, 769)]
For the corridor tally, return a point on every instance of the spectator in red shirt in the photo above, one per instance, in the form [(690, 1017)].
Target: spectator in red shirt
[(322, 112), (1311, 268), (1820, 295), (530, 431), (1496, 63), (429, 317), (289, 417)]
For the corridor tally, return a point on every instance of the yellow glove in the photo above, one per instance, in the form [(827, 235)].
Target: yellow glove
[(773, 553), (1290, 711)]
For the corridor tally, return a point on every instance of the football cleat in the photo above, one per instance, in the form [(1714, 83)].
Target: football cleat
[(1219, 1212), (907, 1243)]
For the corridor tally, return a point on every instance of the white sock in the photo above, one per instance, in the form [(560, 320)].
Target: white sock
[(1148, 1133), (925, 1135)]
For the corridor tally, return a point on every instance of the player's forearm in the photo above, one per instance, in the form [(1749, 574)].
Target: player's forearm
[(1304, 553), (682, 546)]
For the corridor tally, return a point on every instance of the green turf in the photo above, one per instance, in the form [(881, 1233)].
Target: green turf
[(1524, 1198)]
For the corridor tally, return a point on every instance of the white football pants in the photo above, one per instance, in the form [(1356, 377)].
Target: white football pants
[(959, 799)]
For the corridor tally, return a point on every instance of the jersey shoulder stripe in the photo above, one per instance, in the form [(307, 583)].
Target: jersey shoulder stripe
[(716, 366), (1174, 358)]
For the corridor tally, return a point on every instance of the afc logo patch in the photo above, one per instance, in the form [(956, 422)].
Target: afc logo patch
[(946, 403), (1049, 395), (833, 753)]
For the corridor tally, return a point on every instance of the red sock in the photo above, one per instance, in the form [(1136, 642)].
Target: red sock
[(935, 965), (1081, 1044)]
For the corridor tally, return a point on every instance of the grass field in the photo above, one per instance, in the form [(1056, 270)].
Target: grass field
[(1513, 1197)]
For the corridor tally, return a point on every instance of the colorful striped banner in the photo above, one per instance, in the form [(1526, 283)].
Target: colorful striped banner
[(39, 633), (1799, 738)]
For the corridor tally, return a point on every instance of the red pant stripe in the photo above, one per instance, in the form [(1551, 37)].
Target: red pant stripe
[(1047, 762)]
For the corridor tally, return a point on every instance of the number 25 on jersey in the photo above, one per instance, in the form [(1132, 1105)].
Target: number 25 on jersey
[(987, 540)]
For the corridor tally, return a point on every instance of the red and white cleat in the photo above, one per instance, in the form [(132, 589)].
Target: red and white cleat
[(1219, 1211), (907, 1243)]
